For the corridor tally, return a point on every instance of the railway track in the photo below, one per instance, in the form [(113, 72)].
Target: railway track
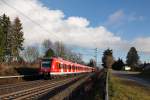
[(4, 89), (33, 90)]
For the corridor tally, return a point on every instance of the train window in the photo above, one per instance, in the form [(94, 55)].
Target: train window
[(59, 66), (46, 62), (70, 67)]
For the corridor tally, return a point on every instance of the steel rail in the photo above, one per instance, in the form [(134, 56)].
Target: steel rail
[(5, 89), (35, 90), (43, 90), (25, 92), (20, 86)]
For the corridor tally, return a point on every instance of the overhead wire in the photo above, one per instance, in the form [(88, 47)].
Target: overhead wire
[(43, 28), (4, 2)]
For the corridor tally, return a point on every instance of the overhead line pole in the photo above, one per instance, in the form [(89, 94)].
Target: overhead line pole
[(95, 56)]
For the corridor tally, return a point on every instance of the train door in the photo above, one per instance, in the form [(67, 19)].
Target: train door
[(46, 65)]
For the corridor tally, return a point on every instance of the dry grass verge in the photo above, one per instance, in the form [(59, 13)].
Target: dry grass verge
[(120, 89), (17, 69)]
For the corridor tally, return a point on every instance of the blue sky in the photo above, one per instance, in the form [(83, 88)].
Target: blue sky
[(98, 11), (85, 24), (134, 24)]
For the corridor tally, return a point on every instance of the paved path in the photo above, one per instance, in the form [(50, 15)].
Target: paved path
[(132, 76)]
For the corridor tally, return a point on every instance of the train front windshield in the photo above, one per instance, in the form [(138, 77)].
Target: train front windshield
[(46, 63)]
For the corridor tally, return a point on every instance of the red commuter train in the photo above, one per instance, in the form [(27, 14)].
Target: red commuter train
[(58, 66)]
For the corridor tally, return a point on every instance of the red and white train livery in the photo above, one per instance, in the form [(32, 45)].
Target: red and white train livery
[(58, 66)]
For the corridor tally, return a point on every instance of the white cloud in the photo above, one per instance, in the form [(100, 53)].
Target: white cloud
[(143, 44), (77, 21), (116, 17), (134, 18), (119, 17), (72, 30)]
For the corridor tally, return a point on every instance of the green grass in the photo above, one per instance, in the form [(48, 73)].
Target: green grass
[(120, 89)]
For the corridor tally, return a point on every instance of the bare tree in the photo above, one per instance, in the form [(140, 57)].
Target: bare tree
[(47, 44), (60, 49), (31, 54)]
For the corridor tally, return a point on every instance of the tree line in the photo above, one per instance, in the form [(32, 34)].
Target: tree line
[(11, 45), (132, 60), (11, 38), (51, 49)]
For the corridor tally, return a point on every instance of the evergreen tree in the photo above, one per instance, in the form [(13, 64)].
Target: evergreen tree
[(118, 65), (2, 44), (107, 58), (5, 33), (132, 58), (17, 38), (49, 53), (11, 38), (92, 63)]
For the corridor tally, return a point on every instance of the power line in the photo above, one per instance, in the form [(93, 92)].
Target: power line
[(28, 18), (4, 2), (33, 20)]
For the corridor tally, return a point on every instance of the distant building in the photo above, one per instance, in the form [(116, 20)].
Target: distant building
[(127, 68)]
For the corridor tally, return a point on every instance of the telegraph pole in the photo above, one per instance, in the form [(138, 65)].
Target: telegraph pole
[(95, 56)]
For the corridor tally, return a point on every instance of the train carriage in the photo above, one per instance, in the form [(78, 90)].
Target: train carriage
[(58, 66)]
